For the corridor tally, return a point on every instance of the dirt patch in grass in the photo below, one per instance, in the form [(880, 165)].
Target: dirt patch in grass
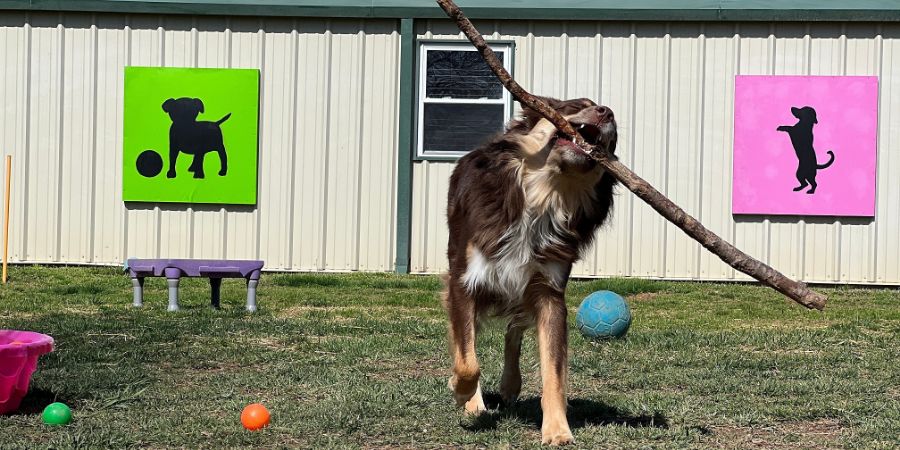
[(894, 393), (191, 372), (275, 344), (819, 434), (780, 351), (789, 325), (392, 447), (644, 296), (300, 311), (336, 314), (81, 310), (424, 368), (355, 311), (878, 333), (319, 339)]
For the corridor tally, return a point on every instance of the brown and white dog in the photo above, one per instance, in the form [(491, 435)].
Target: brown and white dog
[(520, 210)]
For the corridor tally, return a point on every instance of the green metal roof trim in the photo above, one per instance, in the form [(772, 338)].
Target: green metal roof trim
[(750, 10)]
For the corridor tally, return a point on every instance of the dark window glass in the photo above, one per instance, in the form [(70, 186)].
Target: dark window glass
[(459, 127), (460, 74)]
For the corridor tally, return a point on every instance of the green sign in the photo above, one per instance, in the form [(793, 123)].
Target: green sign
[(191, 135)]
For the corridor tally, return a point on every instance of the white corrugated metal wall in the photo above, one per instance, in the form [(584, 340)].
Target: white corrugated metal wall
[(328, 115), (328, 139), (671, 87)]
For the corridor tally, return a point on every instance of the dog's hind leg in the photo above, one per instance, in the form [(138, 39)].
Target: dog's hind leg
[(552, 333), (802, 180), (812, 182), (223, 160), (466, 372), (511, 381)]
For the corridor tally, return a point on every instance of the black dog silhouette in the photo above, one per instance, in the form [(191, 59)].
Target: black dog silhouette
[(192, 137), (802, 138)]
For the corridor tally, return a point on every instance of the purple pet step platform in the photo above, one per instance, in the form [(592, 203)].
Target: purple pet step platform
[(174, 269)]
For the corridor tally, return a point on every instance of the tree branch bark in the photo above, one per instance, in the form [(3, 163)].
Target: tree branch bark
[(794, 290)]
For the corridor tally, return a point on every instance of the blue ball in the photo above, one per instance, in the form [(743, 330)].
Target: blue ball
[(603, 315)]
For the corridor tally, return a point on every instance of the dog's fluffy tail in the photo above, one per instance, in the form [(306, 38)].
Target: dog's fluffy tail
[(822, 166), (219, 122)]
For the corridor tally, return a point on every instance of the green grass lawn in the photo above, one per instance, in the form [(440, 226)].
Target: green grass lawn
[(350, 361)]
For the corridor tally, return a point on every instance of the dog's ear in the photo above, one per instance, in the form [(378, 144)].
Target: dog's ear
[(198, 104), (812, 112), (167, 105)]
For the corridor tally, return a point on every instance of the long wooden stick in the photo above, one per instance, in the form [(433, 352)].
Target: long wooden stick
[(797, 291), (6, 216)]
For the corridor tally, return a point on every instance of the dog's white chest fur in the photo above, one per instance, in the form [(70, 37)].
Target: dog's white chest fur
[(509, 271)]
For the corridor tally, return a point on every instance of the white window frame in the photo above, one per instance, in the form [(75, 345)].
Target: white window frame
[(506, 100)]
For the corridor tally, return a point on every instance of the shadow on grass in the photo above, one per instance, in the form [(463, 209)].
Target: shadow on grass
[(581, 413), (36, 400)]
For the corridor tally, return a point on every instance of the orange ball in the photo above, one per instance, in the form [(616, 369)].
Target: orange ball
[(255, 416)]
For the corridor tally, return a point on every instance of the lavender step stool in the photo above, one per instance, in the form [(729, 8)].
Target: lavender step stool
[(174, 269)]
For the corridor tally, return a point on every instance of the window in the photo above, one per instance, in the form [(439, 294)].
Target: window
[(460, 101)]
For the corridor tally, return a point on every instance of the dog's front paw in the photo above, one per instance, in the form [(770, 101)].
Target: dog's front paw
[(473, 403), (223, 172), (556, 432), (475, 406), (558, 437), (510, 387), (170, 174)]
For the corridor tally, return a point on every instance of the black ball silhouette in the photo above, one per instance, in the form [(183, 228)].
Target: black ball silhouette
[(149, 163)]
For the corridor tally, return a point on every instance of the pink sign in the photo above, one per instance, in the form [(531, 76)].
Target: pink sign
[(805, 145)]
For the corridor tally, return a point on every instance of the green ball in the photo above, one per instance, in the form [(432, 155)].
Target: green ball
[(57, 414)]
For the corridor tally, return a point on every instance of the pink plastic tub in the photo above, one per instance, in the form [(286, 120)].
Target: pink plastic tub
[(19, 352)]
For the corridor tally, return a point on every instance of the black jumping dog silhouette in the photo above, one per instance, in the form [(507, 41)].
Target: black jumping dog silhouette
[(189, 136), (801, 135)]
